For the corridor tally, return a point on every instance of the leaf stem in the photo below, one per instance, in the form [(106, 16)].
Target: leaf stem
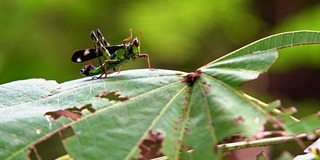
[(261, 142), (255, 143)]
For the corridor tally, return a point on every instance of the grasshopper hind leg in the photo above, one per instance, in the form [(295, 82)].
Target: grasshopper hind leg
[(96, 43)]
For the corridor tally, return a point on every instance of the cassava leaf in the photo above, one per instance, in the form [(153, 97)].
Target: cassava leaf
[(143, 114)]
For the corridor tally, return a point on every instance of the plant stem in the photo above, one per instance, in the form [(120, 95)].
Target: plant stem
[(255, 143), (261, 142)]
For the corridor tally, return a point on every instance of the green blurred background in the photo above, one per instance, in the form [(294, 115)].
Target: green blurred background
[(38, 38)]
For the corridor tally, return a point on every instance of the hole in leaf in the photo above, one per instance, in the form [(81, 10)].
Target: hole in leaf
[(73, 113), (151, 146), (112, 96), (50, 146), (87, 107), (68, 114), (190, 78)]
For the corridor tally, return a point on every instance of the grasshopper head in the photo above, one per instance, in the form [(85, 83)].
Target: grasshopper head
[(86, 69), (136, 47)]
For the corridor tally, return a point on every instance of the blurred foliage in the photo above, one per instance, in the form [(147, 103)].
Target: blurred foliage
[(38, 37)]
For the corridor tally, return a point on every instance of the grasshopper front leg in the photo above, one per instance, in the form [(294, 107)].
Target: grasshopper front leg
[(146, 56)]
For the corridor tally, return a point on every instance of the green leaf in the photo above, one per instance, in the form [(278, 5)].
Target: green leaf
[(277, 41), (143, 113)]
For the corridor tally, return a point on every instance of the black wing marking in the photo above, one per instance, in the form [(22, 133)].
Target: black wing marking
[(88, 54), (84, 55)]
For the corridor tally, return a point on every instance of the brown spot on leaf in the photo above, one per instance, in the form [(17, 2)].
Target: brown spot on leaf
[(73, 113), (185, 99), (48, 95), (206, 85), (112, 96), (178, 124), (239, 120), (186, 130), (180, 120), (39, 149), (188, 91), (190, 78), (185, 107), (151, 146)]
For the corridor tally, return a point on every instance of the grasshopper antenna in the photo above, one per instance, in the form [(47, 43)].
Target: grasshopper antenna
[(129, 38), (140, 35)]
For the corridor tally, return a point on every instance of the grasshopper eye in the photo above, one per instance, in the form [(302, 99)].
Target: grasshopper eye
[(136, 42)]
